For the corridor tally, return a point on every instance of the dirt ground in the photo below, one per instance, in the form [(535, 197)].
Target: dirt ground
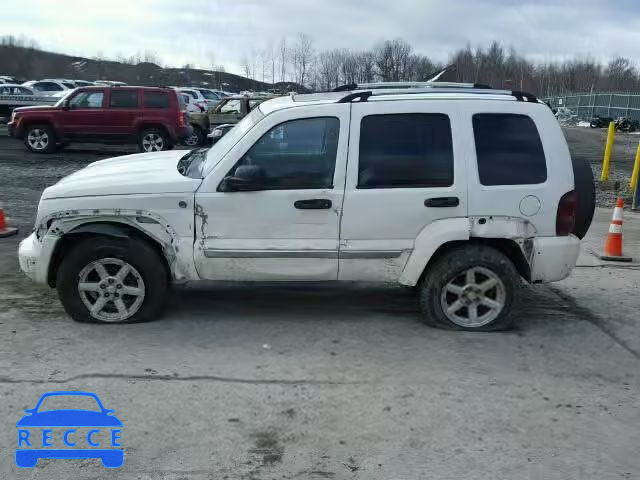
[(588, 144), (341, 382)]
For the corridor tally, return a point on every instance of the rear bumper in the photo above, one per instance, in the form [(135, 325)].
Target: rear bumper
[(554, 258)]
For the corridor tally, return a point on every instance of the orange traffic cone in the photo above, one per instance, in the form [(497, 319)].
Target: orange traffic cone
[(613, 245), (4, 230)]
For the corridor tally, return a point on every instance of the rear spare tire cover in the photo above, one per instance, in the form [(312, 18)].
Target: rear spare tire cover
[(585, 188)]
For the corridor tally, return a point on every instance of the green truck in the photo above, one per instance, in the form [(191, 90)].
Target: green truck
[(229, 111)]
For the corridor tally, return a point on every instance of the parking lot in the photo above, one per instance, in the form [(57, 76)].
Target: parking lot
[(280, 381)]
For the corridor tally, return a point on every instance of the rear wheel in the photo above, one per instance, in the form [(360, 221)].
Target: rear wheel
[(196, 138), (152, 140), (108, 280), (469, 288), (40, 139)]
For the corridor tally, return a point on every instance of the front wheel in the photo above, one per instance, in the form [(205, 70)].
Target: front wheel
[(108, 280), (469, 288), (40, 139), (152, 140)]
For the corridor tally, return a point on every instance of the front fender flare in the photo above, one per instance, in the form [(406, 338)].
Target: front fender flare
[(102, 228)]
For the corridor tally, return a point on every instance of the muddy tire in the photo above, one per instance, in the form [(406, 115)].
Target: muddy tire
[(585, 188), (112, 280), (471, 287), (40, 138), (153, 140), (196, 139)]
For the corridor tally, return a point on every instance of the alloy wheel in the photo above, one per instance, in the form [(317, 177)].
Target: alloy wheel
[(38, 139), (111, 289), (152, 142), (473, 298)]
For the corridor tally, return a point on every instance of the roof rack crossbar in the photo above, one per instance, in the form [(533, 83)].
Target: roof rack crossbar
[(362, 96), (522, 96)]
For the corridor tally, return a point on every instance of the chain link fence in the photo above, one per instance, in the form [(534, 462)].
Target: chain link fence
[(587, 105)]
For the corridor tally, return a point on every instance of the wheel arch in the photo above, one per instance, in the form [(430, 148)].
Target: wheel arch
[(30, 122), (510, 236), (109, 228), (509, 248), (150, 125)]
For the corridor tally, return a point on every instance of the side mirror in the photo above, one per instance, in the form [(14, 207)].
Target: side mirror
[(247, 178), (65, 106)]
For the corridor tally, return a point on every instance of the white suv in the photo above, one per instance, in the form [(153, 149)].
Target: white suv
[(458, 191)]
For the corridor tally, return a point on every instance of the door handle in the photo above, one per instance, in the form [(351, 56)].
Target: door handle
[(313, 204), (442, 202)]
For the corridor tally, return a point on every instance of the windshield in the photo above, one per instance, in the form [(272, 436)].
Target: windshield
[(223, 145), (64, 97), (232, 106), (209, 95)]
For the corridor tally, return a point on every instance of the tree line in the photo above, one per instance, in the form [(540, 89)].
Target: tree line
[(297, 61)]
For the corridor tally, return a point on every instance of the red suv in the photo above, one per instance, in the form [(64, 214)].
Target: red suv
[(152, 117)]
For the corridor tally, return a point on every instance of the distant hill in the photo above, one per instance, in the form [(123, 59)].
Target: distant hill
[(34, 64)]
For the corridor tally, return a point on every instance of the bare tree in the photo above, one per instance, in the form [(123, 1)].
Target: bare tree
[(283, 55), (328, 71), (271, 52), (245, 66), (392, 57), (263, 59), (366, 66), (302, 55)]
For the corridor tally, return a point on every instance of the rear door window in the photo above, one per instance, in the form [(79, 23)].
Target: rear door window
[(412, 150), (123, 98), (156, 100), (509, 150)]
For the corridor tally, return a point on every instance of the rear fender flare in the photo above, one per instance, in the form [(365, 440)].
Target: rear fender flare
[(427, 243), (440, 232)]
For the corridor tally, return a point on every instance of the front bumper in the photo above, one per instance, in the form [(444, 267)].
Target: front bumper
[(553, 258), (13, 129), (34, 257)]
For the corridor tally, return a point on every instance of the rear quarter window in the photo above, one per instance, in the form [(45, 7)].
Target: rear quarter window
[(509, 150), (156, 100)]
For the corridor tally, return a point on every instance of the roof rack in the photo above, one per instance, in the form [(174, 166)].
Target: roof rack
[(405, 85), (362, 92)]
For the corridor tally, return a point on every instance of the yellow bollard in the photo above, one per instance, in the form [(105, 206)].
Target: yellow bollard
[(636, 170), (606, 161)]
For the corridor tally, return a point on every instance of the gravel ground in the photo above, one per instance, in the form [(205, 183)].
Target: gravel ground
[(341, 382), (588, 143)]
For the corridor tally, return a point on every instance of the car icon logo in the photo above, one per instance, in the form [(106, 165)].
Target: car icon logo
[(69, 433)]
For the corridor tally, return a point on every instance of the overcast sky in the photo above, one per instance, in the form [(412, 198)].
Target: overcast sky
[(205, 32)]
